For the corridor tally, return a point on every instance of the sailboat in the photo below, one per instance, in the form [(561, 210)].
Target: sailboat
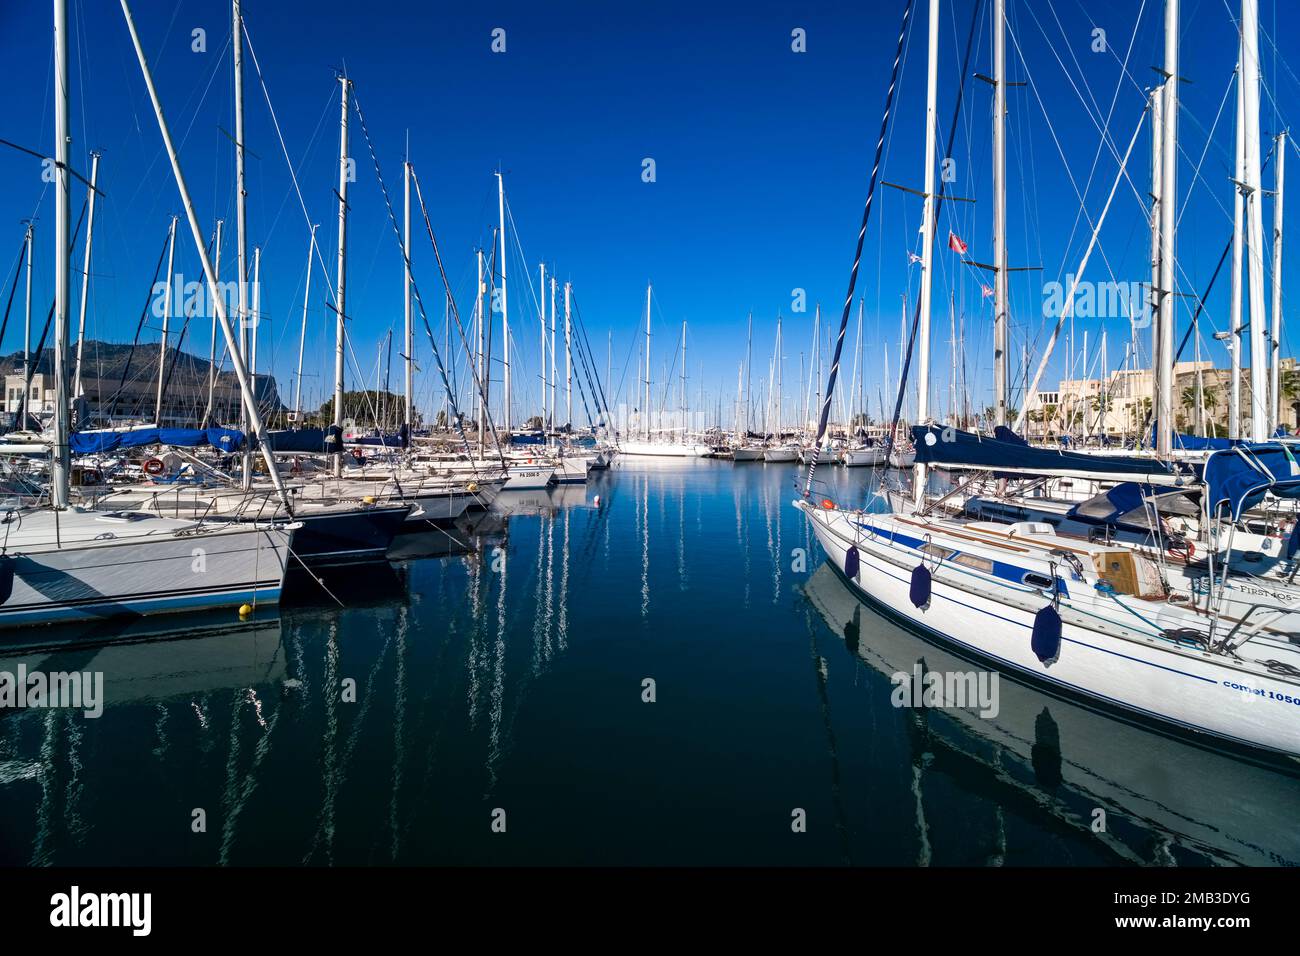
[(1088, 619), (65, 563), (649, 444)]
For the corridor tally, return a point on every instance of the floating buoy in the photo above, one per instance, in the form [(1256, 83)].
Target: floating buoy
[(245, 610), (919, 594), (1046, 640), (851, 563), (828, 504)]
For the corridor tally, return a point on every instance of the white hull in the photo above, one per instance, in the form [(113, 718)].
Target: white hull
[(1105, 762), (780, 455), (664, 449), (572, 470), (860, 457), (144, 565), (899, 458), (747, 454), (1119, 665)]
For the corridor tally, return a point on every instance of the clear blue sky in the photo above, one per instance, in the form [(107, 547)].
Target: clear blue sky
[(762, 159)]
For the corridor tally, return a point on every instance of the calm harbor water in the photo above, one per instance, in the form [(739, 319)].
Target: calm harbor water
[(506, 671)]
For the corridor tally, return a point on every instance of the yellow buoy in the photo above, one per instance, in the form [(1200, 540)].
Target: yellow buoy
[(245, 610)]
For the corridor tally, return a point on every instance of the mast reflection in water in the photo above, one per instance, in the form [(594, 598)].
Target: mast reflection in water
[(502, 666)]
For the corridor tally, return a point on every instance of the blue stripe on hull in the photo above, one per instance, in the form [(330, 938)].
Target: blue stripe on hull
[(140, 607)]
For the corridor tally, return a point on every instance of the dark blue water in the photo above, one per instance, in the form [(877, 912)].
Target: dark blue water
[(504, 673)]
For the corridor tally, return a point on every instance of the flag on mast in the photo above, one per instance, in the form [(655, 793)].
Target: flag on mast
[(955, 243)]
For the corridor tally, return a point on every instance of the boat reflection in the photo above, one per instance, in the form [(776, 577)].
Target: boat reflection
[(1165, 801)]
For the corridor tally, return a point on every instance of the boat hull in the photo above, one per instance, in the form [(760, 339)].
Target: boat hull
[(664, 449), (358, 536), (1192, 692), (229, 566)]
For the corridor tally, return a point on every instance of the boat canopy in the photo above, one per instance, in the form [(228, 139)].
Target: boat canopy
[(101, 442), (953, 448), (1134, 505), (1241, 476), (307, 441)]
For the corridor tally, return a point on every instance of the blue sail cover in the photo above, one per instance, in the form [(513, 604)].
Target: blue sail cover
[(1240, 477), (940, 445), (102, 442), (306, 441)]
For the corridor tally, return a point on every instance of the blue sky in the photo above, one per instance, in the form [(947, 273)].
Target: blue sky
[(762, 158)]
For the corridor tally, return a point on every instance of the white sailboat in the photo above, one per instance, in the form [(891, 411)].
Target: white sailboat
[(65, 563), (649, 444), (1089, 619)]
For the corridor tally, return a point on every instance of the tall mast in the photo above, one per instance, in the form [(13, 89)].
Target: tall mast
[(302, 330), (927, 251), (541, 301), (1254, 223), (1275, 395), (859, 404), (1000, 277), (408, 336), (61, 463), (553, 382), (27, 328), (683, 379), (478, 315), (1235, 329), (647, 360), (1168, 219), (780, 376), (341, 279), (568, 361), (212, 347), (749, 361), (1157, 193), (85, 273), (241, 214), (237, 360), (167, 311), (256, 314), (505, 312)]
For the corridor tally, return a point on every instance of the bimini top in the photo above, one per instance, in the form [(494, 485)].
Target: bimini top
[(953, 448), (1238, 478)]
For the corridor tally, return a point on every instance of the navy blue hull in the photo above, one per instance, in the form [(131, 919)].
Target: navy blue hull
[(348, 537)]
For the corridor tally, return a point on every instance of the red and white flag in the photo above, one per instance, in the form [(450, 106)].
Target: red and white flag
[(955, 243), (985, 291)]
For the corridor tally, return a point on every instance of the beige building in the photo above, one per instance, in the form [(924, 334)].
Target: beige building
[(1118, 405), (41, 400)]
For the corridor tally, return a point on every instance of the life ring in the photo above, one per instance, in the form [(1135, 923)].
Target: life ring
[(154, 467)]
